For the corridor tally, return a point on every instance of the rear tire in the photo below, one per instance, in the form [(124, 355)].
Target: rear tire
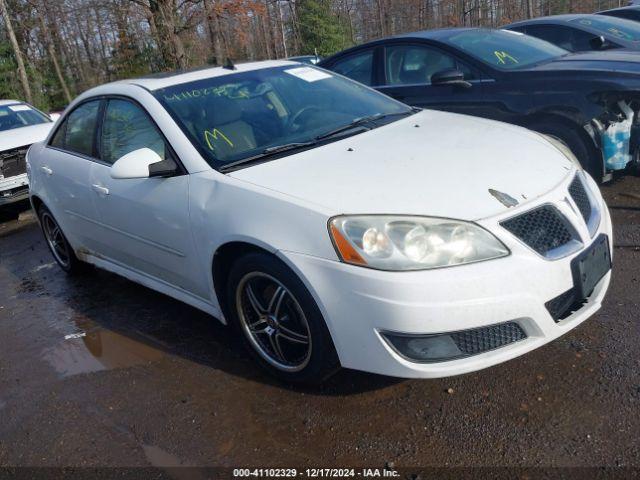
[(279, 321), (58, 245), (570, 137)]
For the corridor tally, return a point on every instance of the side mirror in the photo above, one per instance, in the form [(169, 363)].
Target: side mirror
[(142, 163), (450, 76), (599, 43)]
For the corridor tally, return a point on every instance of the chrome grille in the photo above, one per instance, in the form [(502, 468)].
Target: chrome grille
[(13, 162), (479, 340), (544, 229)]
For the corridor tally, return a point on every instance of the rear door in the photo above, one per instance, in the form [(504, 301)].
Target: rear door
[(407, 70), (145, 221), (65, 168)]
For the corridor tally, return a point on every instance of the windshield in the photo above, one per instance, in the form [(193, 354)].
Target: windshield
[(20, 115), (504, 49), (619, 28), (241, 115)]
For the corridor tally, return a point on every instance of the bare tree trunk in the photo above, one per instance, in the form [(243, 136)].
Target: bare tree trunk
[(52, 53), (22, 71), (213, 27), (284, 39), (272, 35), (169, 43)]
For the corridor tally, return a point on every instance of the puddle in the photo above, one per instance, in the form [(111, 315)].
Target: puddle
[(99, 350)]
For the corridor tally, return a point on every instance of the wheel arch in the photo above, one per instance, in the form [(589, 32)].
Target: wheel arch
[(222, 261), (36, 202), (541, 118)]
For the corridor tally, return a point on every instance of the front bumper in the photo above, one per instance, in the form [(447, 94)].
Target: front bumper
[(14, 189), (359, 303)]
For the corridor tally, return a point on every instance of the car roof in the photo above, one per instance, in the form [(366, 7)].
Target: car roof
[(438, 34), (163, 80), (620, 9), (551, 19), (4, 103)]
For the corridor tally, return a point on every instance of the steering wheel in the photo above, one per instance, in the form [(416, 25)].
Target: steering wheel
[(290, 126)]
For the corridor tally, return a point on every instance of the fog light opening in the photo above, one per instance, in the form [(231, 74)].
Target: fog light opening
[(442, 347)]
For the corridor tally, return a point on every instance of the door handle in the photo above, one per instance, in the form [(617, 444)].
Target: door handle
[(100, 189), (46, 170)]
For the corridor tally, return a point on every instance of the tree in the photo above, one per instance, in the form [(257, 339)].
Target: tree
[(53, 55), (320, 29), (169, 42), (17, 53)]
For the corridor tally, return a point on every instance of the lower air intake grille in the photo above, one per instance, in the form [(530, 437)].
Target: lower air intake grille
[(13, 162), (543, 229), (479, 340), (564, 305), (579, 195)]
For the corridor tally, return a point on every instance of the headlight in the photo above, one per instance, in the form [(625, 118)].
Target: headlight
[(564, 149), (411, 243)]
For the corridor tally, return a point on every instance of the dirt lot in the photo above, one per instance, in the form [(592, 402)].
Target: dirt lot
[(155, 382)]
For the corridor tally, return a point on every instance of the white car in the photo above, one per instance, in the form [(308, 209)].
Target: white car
[(20, 126), (329, 224)]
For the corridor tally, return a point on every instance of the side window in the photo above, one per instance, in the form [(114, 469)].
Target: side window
[(627, 14), (415, 64), (126, 128), (560, 36), (358, 67), (581, 41), (58, 139), (76, 135)]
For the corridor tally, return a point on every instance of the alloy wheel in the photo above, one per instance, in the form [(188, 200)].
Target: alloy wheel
[(273, 322), (55, 239)]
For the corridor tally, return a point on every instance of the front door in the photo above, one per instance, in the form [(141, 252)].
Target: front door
[(145, 221), (408, 69)]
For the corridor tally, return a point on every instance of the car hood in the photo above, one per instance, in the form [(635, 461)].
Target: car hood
[(431, 163), (19, 137), (623, 61)]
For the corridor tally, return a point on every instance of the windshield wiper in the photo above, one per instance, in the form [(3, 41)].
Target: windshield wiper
[(267, 152), (362, 121), (286, 147)]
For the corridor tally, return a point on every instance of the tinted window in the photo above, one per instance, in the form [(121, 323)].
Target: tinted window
[(358, 67), (20, 115), (58, 138), (415, 64), (564, 37), (631, 14), (126, 128), (79, 128), (612, 27), (505, 49), (239, 115)]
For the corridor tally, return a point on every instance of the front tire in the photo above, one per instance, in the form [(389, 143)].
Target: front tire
[(58, 245), (279, 321)]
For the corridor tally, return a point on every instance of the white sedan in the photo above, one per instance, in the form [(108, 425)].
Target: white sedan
[(329, 224), (21, 125)]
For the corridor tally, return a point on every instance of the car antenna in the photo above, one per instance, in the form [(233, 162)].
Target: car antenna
[(229, 64)]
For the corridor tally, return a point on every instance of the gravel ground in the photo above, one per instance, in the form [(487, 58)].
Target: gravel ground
[(98, 371)]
